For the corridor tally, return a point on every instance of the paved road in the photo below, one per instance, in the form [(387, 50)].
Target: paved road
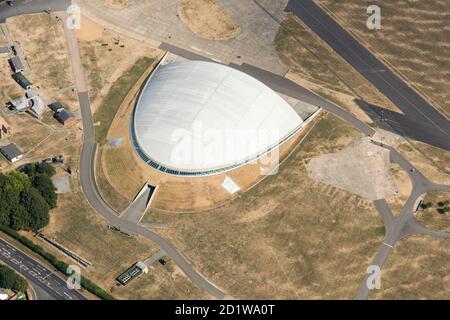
[(46, 284), (393, 87), (396, 228), (89, 185), (406, 223), (21, 7)]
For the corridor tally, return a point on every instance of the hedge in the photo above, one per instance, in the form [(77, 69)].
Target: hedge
[(58, 264)]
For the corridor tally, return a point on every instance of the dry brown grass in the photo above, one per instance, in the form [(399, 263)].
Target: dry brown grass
[(404, 186), (417, 268), (207, 19), (430, 217), (424, 163), (75, 225), (413, 38), (42, 40), (121, 173), (9, 89), (310, 58), (289, 237), (116, 4), (89, 30), (26, 131), (105, 64)]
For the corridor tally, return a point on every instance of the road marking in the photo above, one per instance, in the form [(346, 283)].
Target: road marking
[(387, 244)]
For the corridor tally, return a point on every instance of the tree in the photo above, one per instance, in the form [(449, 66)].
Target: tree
[(37, 209), (17, 180), (11, 280), (39, 168), (46, 168), (9, 201), (44, 185), (19, 219)]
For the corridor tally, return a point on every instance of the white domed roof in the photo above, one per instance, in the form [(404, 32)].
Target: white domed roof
[(202, 117)]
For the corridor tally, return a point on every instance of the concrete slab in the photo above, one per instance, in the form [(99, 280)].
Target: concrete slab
[(136, 210), (156, 21), (361, 168), (158, 255), (62, 184)]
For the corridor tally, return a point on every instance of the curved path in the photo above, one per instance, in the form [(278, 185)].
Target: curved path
[(396, 229), (89, 185), (406, 224), (88, 151)]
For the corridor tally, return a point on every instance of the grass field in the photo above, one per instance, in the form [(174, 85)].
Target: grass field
[(288, 237), (413, 38), (417, 268), (43, 43), (113, 99), (430, 217), (309, 57), (107, 56)]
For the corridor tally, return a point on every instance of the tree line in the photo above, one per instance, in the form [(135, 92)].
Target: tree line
[(11, 280), (26, 197)]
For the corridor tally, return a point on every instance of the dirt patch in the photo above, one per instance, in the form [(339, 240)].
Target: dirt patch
[(116, 4), (404, 187), (207, 19), (89, 30)]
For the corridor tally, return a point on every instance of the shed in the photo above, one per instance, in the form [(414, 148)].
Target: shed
[(65, 117), (16, 64), (11, 152), (56, 107), (22, 80), (38, 107)]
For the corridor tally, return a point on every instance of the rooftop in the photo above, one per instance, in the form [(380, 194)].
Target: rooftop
[(11, 151)]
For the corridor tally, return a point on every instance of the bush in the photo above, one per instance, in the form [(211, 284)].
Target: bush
[(11, 280), (22, 206), (33, 169), (44, 185)]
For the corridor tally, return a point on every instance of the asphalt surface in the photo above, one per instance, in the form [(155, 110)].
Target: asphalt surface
[(281, 85), (427, 119), (406, 223), (31, 6), (45, 283), (394, 88)]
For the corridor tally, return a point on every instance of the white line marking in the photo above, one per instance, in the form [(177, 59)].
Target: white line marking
[(387, 244)]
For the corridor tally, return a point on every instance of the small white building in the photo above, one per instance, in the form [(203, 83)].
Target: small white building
[(11, 153)]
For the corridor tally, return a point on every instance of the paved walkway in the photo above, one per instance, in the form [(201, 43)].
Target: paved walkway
[(254, 45), (136, 211), (406, 223)]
